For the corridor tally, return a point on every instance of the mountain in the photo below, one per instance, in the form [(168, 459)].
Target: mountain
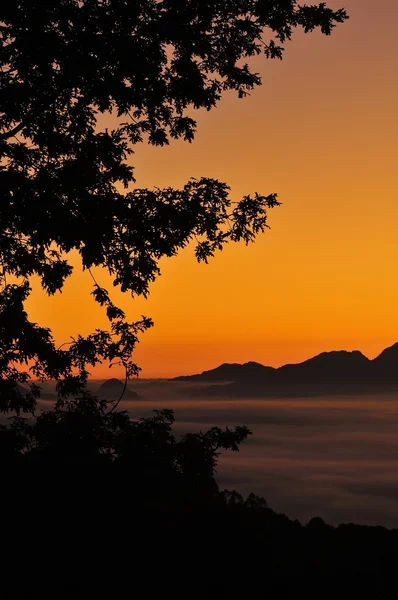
[(112, 390), (327, 373), (230, 372), (386, 364), (328, 366)]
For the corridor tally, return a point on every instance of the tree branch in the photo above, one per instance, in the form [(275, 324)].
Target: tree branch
[(116, 404), (12, 132)]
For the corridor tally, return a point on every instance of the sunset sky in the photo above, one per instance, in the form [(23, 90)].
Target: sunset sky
[(322, 132)]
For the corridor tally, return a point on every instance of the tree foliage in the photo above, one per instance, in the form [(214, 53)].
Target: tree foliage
[(82, 432), (147, 64)]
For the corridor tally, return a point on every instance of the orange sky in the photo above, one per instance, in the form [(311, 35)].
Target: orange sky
[(322, 132)]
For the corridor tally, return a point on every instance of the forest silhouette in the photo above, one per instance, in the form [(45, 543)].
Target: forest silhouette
[(94, 502)]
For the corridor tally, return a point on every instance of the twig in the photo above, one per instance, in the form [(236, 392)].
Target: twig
[(92, 276), (116, 404)]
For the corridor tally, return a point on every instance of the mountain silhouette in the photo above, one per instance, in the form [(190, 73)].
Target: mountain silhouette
[(386, 364), (113, 388), (329, 372), (230, 372), (327, 366)]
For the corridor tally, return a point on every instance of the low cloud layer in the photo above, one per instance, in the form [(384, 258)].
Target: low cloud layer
[(332, 457)]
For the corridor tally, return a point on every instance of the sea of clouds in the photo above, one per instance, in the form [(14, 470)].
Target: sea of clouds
[(332, 457)]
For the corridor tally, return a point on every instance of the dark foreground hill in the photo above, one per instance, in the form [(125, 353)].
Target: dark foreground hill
[(326, 373), (101, 536)]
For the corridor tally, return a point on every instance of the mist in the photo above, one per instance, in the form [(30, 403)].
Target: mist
[(335, 457)]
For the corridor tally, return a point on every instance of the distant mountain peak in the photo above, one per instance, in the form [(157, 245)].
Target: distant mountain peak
[(388, 355), (252, 363), (227, 372), (114, 387), (340, 355), (112, 381)]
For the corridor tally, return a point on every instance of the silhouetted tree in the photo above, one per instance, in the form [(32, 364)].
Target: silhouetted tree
[(144, 63), (165, 472)]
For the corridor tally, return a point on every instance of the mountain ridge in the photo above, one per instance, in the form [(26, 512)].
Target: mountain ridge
[(337, 370)]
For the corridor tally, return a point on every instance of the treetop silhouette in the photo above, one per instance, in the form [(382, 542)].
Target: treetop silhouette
[(147, 63)]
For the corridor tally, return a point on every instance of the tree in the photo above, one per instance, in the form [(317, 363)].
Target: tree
[(146, 62), (163, 470)]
